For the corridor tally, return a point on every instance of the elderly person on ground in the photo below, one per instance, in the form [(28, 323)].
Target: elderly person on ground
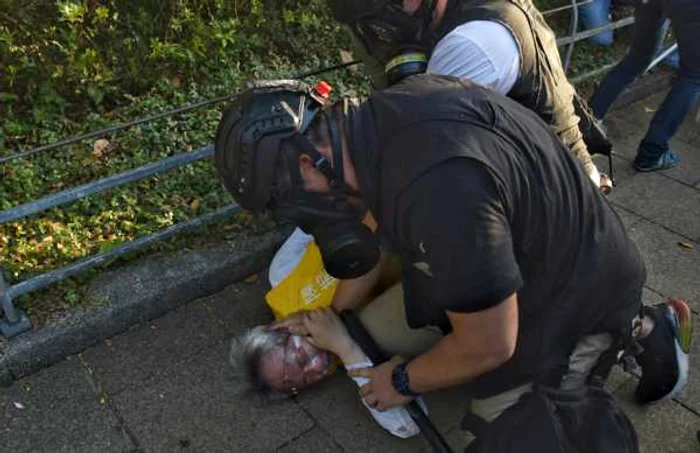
[(504, 244), (282, 358)]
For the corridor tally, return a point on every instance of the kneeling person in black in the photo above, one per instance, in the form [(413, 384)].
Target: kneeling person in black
[(505, 245)]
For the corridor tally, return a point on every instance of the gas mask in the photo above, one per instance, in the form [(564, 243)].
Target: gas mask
[(396, 38), (348, 247), (257, 151)]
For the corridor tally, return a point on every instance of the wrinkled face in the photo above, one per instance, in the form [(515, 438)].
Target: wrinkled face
[(295, 364)]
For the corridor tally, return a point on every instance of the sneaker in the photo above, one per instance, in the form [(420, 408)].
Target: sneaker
[(648, 161), (664, 361)]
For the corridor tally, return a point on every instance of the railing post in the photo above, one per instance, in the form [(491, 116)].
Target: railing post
[(15, 321), (573, 28)]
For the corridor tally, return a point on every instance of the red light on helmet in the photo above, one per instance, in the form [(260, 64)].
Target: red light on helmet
[(323, 89)]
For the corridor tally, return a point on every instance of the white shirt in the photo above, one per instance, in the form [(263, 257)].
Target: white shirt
[(482, 51), (396, 420), (288, 256)]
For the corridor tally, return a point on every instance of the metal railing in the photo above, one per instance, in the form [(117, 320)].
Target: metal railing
[(15, 321)]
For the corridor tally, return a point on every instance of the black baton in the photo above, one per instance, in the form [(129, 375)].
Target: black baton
[(358, 333)]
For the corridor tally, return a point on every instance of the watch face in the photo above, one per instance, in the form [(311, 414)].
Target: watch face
[(400, 380)]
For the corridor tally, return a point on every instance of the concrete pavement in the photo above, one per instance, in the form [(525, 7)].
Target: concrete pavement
[(163, 386)]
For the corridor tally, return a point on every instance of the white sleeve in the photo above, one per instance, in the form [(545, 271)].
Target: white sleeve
[(482, 51), (288, 256), (395, 420)]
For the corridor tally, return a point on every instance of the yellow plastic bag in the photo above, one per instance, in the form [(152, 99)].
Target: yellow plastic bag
[(307, 287)]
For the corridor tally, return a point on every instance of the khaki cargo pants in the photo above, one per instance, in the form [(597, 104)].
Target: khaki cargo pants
[(385, 319)]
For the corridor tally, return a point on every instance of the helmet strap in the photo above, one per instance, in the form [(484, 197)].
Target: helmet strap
[(319, 161), (337, 150)]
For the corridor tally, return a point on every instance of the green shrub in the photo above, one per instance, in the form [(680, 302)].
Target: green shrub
[(69, 67), (65, 59)]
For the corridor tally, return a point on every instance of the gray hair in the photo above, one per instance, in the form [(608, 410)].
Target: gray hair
[(246, 356)]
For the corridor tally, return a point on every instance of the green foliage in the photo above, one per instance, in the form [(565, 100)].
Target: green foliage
[(75, 66), (64, 58), (69, 67)]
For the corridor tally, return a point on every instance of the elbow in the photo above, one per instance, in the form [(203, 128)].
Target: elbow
[(506, 353), (501, 354)]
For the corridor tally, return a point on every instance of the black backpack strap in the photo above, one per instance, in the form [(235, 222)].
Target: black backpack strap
[(594, 135), (365, 341), (624, 350), (630, 350), (473, 423)]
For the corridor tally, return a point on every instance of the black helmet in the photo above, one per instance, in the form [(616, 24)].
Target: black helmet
[(257, 150), (253, 133)]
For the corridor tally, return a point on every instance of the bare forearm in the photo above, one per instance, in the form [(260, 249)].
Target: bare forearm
[(479, 343), (447, 365), (350, 293), (352, 354)]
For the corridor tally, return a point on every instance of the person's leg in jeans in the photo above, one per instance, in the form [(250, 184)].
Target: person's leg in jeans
[(654, 152), (594, 15), (646, 40)]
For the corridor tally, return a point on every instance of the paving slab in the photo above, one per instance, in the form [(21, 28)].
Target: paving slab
[(137, 292), (152, 349), (335, 407), (201, 408), (618, 377), (626, 136), (662, 200), (672, 270), (57, 410), (240, 306), (314, 441), (633, 120), (622, 168), (174, 338), (665, 427), (627, 127), (629, 219), (651, 297), (445, 410)]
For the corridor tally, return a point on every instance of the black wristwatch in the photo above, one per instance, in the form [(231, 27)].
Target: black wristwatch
[(400, 381)]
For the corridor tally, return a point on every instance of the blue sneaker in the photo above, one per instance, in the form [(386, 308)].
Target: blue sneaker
[(652, 161)]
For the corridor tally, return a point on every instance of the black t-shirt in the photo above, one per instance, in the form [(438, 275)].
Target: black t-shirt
[(481, 199), (465, 260), (459, 253)]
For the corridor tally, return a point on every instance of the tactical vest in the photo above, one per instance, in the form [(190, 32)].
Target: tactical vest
[(542, 85)]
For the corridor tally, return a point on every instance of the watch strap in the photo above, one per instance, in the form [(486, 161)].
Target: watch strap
[(400, 380)]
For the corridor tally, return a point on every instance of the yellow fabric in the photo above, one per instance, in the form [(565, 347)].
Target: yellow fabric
[(307, 287)]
